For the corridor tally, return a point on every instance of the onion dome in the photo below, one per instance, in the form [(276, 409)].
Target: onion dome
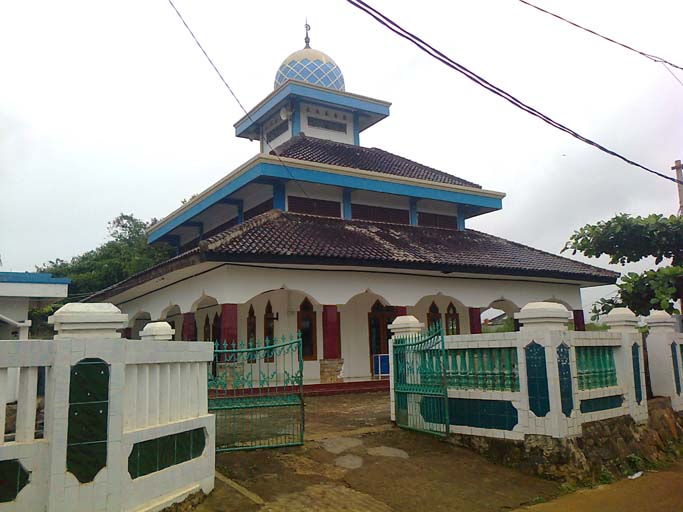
[(311, 66)]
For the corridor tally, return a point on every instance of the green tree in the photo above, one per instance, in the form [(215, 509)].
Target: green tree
[(627, 239), (124, 254)]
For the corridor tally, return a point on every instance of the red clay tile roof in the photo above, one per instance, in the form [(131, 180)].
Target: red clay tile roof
[(292, 237), (311, 149), (286, 237)]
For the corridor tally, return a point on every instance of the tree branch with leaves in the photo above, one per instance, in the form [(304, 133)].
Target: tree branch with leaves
[(627, 239)]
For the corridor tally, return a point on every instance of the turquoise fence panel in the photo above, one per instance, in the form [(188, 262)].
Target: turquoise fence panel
[(564, 371), (256, 394), (421, 395), (635, 356), (486, 369), (601, 404), (537, 379), (595, 367), (86, 448)]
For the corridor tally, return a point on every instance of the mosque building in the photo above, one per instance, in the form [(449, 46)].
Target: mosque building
[(321, 235)]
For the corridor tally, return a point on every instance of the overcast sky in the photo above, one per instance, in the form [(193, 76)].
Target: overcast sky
[(109, 107)]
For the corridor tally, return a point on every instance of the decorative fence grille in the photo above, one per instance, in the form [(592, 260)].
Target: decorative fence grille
[(420, 382), (596, 367), (256, 393), (487, 369)]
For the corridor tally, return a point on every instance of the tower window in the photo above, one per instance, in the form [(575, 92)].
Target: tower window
[(326, 124), (277, 131)]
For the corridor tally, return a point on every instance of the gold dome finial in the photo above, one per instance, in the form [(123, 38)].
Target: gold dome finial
[(307, 39)]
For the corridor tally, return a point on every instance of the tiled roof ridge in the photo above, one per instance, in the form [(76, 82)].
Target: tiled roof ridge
[(449, 178)]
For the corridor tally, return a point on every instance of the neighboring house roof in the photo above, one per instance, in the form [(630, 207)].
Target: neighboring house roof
[(32, 278), (285, 237), (311, 149)]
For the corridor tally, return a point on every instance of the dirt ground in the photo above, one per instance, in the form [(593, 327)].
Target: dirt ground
[(355, 460)]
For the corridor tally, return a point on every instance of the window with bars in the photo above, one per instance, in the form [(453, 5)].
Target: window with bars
[(436, 220), (380, 214), (310, 206)]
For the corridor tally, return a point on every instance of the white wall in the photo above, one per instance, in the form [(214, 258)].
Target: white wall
[(237, 284), (328, 114)]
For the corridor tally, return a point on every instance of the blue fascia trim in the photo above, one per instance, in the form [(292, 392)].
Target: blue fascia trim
[(32, 278), (328, 96), (356, 129), (279, 196), (272, 170), (413, 211), (346, 204), (205, 203), (387, 187)]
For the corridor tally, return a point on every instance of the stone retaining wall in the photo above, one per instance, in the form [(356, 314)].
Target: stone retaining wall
[(606, 450)]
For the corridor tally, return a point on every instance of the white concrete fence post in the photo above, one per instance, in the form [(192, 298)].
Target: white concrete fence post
[(401, 326), (663, 344), (543, 323), (625, 322), (80, 329)]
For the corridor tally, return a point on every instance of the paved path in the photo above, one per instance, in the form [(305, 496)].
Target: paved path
[(660, 491)]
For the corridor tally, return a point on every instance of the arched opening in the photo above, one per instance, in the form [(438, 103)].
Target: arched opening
[(452, 324), (433, 316), (138, 323), (206, 332), (251, 333), (307, 327), (379, 318), (269, 330), (499, 316)]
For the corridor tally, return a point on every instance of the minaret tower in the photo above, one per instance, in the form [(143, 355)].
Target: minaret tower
[(310, 99)]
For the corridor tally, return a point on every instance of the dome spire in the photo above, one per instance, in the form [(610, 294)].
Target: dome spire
[(307, 39)]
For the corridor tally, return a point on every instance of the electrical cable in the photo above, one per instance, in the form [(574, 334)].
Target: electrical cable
[(653, 58), (272, 150), (444, 59)]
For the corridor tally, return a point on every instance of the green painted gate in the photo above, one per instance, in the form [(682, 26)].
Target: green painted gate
[(256, 393), (420, 388)]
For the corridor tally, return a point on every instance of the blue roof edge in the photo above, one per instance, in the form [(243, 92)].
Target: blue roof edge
[(32, 278)]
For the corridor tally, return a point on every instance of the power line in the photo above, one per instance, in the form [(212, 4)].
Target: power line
[(444, 59), (653, 58), (672, 73), (233, 94)]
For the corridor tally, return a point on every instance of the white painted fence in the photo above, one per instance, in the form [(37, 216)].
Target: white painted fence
[(665, 356), (561, 404), (155, 397)]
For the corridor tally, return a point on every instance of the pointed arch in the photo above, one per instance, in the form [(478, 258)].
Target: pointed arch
[(433, 315), (308, 328), (452, 323)]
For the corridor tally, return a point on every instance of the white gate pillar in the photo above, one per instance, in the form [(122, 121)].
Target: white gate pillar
[(402, 325)]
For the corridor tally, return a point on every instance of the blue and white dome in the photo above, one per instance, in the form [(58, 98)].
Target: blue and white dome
[(312, 66)]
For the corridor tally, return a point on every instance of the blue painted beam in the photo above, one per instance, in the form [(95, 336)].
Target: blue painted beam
[(296, 118), (413, 211), (279, 196), (274, 170), (461, 219), (346, 204), (356, 129)]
